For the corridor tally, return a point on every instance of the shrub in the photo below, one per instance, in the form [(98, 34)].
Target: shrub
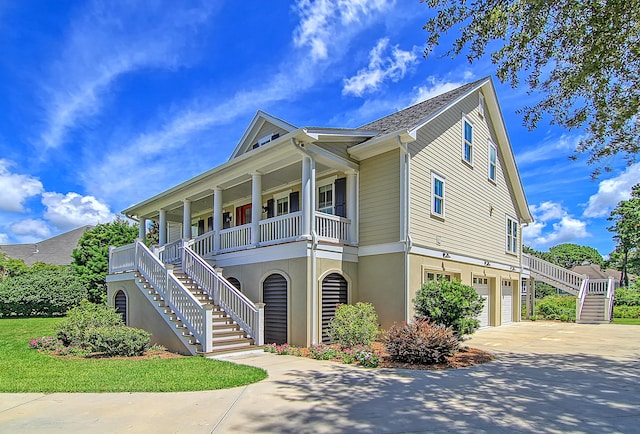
[(354, 324), (627, 296), (117, 340), (560, 307), (42, 290), (322, 352), (626, 311), (421, 342), (72, 330), (449, 304)]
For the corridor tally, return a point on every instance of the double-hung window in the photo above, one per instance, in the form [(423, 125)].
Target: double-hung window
[(512, 236), (437, 195), (282, 206), (493, 161), (325, 199), (467, 140)]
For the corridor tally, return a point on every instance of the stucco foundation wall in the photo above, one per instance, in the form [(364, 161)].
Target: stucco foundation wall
[(381, 283), (419, 265), (141, 314)]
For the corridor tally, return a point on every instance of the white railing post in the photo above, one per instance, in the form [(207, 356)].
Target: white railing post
[(259, 339), (110, 259), (207, 345)]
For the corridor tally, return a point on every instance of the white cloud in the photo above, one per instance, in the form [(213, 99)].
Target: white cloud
[(4, 239), (436, 86), (15, 188), (322, 22), (30, 230), (611, 191), (383, 65), (565, 229), (73, 210), (111, 39), (550, 149)]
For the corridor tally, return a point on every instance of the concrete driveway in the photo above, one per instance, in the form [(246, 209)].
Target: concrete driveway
[(548, 377)]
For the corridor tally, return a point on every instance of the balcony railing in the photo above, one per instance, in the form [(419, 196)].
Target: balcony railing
[(332, 228), (235, 238), (280, 229)]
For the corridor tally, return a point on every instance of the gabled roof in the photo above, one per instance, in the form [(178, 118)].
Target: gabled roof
[(258, 121), (55, 250), (413, 116)]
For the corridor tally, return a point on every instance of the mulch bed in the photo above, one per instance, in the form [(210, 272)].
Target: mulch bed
[(464, 358)]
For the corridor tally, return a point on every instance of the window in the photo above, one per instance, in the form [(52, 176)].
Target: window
[(467, 142), (512, 236), (325, 199), (282, 206), (493, 160), (481, 104), (437, 195), (437, 276)]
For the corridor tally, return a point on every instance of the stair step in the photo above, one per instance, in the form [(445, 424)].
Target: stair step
[(236, 343)]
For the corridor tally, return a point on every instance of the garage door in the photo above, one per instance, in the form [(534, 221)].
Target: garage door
[(507, 301), (481, 285), (334, 292), (275, 312)]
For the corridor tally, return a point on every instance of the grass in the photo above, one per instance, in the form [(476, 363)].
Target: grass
[(632, 321), (23, 369)]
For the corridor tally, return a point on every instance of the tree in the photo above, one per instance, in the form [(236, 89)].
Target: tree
[(626, 225), (583, 58), (11, 267), (569, 255), (91, 258)]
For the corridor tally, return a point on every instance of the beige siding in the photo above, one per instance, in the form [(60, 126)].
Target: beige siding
[(339, 149), (381, 282), (267, 129), (380, 199), (475, 207)]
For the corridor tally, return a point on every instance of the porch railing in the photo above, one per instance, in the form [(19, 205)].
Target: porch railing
[(332, 228), (239, 236), (204, 244), (170, 253), (280, 229)]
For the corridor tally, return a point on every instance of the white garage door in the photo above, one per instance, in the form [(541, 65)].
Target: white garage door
[(507, 301), (481, 285)]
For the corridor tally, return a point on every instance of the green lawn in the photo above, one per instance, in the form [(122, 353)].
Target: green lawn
[(23, 369), (633, 321)]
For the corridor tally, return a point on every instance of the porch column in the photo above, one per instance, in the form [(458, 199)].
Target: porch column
[(142, 229), (256, 207), (352, 205), (162, 227), (217, 217), (186, 219)]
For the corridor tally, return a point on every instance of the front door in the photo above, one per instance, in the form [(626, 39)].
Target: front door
[(243, 215)]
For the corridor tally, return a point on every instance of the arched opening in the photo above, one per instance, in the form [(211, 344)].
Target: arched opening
[(235, 282), (274, 295), (120, 302), (334, 292)]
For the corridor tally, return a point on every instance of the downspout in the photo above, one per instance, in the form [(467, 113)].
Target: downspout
[(314, 246), (405, 209), (528, 309)]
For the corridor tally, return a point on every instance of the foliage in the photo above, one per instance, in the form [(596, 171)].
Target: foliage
[(367, 358), (33, 371), (11, 267), (559, 307), (626, 311), (569, 255), (627, 296), (450, 304), (283, 349), (323, 352), (544, 289), (41, 290), (354, 325), (626, 225), (581, 58), (73, 329), (630, 259), (91, 257), (117, 340), (420, 342)]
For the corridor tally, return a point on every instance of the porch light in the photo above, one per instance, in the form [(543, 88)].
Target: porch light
[(445, 255)]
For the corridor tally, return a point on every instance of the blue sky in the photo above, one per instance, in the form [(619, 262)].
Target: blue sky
[(105, 104)]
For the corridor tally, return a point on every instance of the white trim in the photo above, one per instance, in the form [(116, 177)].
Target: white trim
[(492, 145), (276, 252), (508, 241), (433, 253), (480, 104), (443, 198), (381, 249), (466, 119)]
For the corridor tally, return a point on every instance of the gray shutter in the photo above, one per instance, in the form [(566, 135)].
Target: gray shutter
[(334, 292), (271, 208), (294, 201), (340, 207), (121, 305), (274, 295)]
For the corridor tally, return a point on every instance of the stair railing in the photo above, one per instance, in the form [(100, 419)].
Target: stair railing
[(248, 315), (608, 304), (553, 274), (197, 318), (582, 295)]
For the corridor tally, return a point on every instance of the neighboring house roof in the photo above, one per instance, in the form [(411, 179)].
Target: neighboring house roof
[(594, 271), (56, 250)]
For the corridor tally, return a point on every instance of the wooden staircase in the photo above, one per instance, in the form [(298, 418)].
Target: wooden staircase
[(227, 334), (593, 309)]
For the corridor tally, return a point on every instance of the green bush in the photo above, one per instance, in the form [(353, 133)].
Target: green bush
[(118, 340), (42, 290), (421, 343), (323, 352), (626, 311), (449, 304), (560, 307), (354, 324), (72, 330), (627, 296)]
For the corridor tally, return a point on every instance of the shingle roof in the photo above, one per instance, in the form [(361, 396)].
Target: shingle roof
[(56, 250), (413, 116)]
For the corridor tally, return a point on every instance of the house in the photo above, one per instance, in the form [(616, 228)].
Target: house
[(300, 219), (55, 250)]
